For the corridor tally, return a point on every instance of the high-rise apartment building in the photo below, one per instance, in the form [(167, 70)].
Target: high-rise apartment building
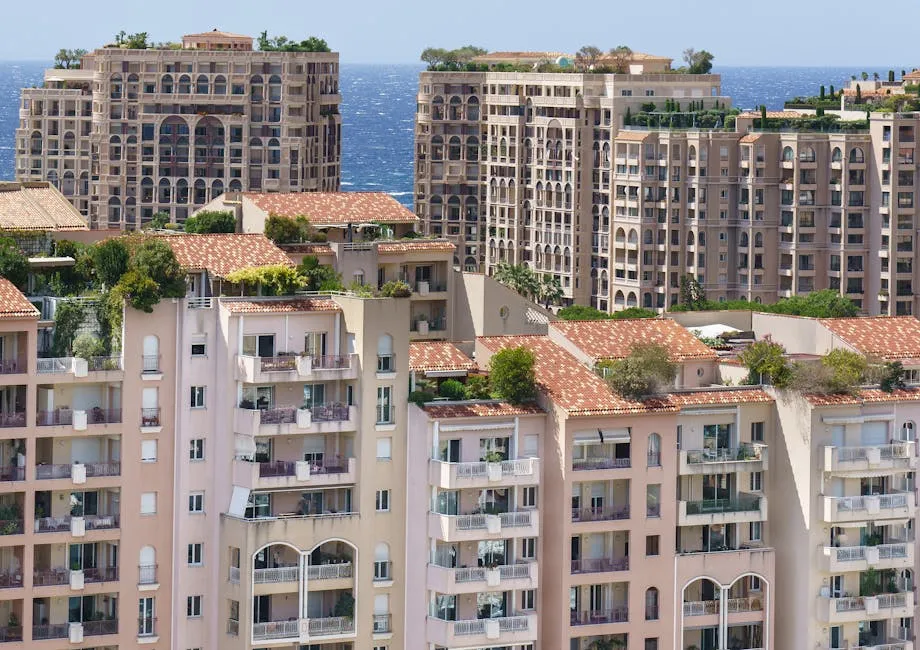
[(547, 170), (136, 132)]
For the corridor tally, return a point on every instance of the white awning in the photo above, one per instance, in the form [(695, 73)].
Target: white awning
[(238, 501), (601, 436)]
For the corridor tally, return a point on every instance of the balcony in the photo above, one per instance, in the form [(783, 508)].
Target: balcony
[(304, 629), (468, 580), (76, 526), (599, 617), (78, 472), (468, 528), (600, 565), (606, 513), (268, 370), (839, 559), (735, 510), (599, 462), (746, 458), (77, 420), (853, 609), (287, 420), (898, 505), (507, 473), (482, 632), (10, 419), (291, 474), (870, 460)]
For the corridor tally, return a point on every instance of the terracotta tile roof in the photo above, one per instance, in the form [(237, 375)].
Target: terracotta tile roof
[(614, 339), (37, 206), (772, 114), (222, 254), (307, 249), (436, 355), (887, 337), (279, 306), (217, 33), (866, 396), (631, 136), (716, 397), (436, 245), (751, 137), (520, 55), (13, 304), (334, 208), (479, 410)]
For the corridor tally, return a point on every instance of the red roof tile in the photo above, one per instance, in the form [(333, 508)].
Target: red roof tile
[(436, 245), (307, 249), (334, 208), (436, 355), (614, 339), (37, 206), (865, 396), (887, 337), (480, 410), (13, 304), (279, 306), (222, 254), (716, 397)]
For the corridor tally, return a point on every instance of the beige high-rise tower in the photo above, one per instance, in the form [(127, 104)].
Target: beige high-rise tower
[(136, 132)]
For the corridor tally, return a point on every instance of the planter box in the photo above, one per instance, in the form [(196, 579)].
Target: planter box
[(77, 526), (79, 420), (304, 418), (302, 470), (871, 604), (423, 327), (494, 471), (423, 288), (77, 580), (493, 524), (78, 473), (75, 632)]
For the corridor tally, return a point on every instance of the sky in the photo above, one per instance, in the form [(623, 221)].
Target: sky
[(773, 33)]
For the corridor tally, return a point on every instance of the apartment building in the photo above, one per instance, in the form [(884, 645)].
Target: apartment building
[(502, 165), (136, 132), (501, 160), (628, 565)]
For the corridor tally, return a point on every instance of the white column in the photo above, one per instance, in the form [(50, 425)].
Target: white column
[(723, 618), (302, 587)]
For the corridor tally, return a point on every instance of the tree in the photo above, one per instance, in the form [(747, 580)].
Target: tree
[(154, 259), (692, 293), (320, 277), (284, 44), (766, 363), (211, 221), (87, 346), (620, 57), (511, 375), (549, 290), (68, 59), (582, 312), (519, 278), (875, 76), (110, 260), (864, 76), (452, 390), (847, 370), (72, 280), (136, 41), (821, 95), (891, 376), (477, 387), (763, 116), (646, 371), (634, 312), (627, 119), (587, 56), (158, 221), (271, 280), (285, 230), (858, 94), (433, 56), (14, 265), (698, 62), (891, 76), (68, 318), (832, 92)]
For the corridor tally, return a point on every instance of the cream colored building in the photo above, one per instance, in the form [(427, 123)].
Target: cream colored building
[(135, 132)]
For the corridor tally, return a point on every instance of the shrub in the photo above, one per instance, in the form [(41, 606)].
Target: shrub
[(634, 312), (158, 221), (477, 387), (361, 290), (838, 372), (395, 289), (890, 376), (273, 280), (646, 371), (452, 389), (14, 265), (766, 362), (511, 375), (211, 221), (419, 397), (87, 346), (68, 318), (320, 277), (110, 260), (154, 259), (582, 312), (139, 290), (285, 230), (72, 280)]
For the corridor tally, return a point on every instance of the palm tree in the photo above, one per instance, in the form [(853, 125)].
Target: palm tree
[(517, 277), (549, 291)]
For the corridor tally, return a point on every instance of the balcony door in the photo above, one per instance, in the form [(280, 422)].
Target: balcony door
[(718, 486), (717, 437), (491, 604), (449, 450), (314, 344), (314, 395), (448, 502), (261, 609), (259, 345), (145, 616)]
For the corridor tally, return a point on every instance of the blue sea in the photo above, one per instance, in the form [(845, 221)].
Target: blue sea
[(378, 109)]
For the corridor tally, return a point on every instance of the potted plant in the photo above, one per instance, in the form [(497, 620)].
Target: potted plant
[(247, 404), (345, 605), (421, 325)]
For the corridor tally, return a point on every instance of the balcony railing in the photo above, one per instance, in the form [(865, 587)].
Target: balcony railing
[(50, 577), (331, 362), (748, 604), (606, 513), (508, 519), (12, 473), (104, 574), (10, 633), (103, 364), (741, 503), (600, 617), (746, 452), (318, 413), (886, 502), (579, 464), (12, 419), (151, 363), (233, 627), (146, 626), (92, 522), (278, 364), (276, 574), (10, 580), (329, 571), (93, 470), (55, 631), (11, 526), (150, 417), (478, 626), (701, 607), (12, 366), (522, 467), (382, 623), (330, 625), (600, 565), (886, 452), (146, 574), (93, 628)]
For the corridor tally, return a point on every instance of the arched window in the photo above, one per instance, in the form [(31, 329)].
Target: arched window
[(151, 353), (385, 361), (651, 604), (788, 154), (857, 155), (654, 450), (758, 240), (836, 155), (382, 561), (743, 241), (201, 85), (147, 565)]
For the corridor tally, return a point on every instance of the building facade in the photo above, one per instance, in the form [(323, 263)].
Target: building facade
[(136, 132)]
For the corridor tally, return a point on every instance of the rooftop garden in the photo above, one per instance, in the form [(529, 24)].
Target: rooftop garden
[(646, 371), (284, 44), (826, 303), (582, 312), (68, 59), (511, 379), (675, 115), (818, 122)]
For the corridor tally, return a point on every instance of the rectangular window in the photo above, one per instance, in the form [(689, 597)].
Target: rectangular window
[(651, 644), (756, 431), (193, 607), (196, 449), (383, 501), (149, 503), (197, 397), (148, 451), (652, 543), (529, 497), (755, 531), (529, 548), (653, 500), (199, 350), (195, 554), (196, 502), (385, 410), (528, 599), (756, 481), (384, 448), (755, 583)]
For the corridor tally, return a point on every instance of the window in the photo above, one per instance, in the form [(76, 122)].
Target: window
[(196, 502), (756, 431), (199, 349), (654, 450), (196, 449), (382, 562), (529, 548), (149, 503), (529, 497), (383, 500), (148, 451), (193, 607), (195, 554), (385, 360), (651, 604), (755, 531), (756, 481), (197, 397), (146, 613), (652, 543), (384, 448), (385, 410), (653, 500), (651, 644), (528, 599)]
